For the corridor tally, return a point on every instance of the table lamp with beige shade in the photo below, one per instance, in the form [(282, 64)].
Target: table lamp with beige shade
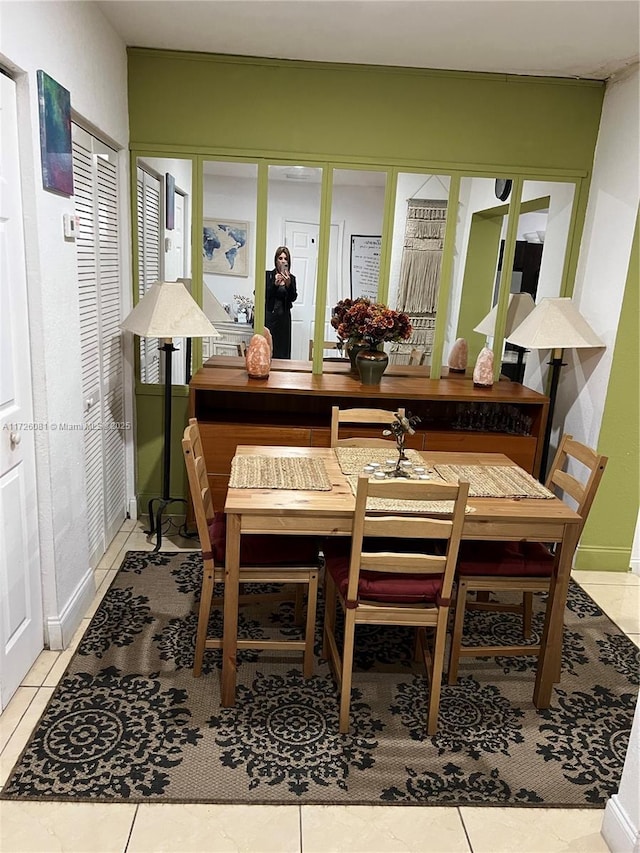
[(520, 306), (167, 311), (554, 324)]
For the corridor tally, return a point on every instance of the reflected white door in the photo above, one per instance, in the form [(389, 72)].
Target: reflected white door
[(21, 625), (301, 238)]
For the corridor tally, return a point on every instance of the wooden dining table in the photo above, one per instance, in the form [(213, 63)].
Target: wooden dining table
[(330, 513)]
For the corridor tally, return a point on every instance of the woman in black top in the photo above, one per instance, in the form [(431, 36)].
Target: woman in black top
[(281, 293)]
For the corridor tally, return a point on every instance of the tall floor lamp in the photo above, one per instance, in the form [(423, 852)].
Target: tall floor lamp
[(520, 306), (167, 311), (554, 324)]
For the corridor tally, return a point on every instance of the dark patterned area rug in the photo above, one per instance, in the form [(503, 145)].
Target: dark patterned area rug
[(128, 722)]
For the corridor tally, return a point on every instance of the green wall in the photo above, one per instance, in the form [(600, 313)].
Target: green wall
[(193, 103), (615, 511), (235, 105)]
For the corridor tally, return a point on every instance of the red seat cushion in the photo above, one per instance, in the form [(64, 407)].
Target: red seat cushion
[(505, 559), (375, 586), (263, 550)]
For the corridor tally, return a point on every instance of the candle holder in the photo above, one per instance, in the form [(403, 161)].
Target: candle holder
[(400, 429)]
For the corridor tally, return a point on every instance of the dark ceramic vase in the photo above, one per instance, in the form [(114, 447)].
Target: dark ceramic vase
[(355, 346), (371, 364)]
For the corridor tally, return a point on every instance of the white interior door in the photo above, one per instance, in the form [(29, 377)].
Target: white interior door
[(99, 288), (21, 626), (301, 238)]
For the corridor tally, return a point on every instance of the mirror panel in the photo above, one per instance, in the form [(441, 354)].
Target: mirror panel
[(164, 209), (480, 223), (416, 257), (229, 205), (357, 217), (293, 220), (541, 253)]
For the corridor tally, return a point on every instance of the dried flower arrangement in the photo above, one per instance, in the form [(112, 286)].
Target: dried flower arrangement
[(371, 322)]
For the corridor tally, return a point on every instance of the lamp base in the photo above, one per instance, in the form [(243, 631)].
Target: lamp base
[(155, 521)]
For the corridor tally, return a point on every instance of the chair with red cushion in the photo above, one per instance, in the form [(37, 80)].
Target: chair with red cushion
[(520, 567), (377, 581), (263, 559)]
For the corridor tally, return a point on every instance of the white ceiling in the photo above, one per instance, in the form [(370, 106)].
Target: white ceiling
[(568, 38)]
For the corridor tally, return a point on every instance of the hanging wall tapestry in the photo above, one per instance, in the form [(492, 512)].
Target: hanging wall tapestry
[(420, 269)]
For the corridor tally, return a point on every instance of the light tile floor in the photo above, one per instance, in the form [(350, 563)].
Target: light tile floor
[(154, 828)]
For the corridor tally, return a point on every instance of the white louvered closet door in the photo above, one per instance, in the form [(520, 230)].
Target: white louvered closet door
[(149, 205), (98, 258)]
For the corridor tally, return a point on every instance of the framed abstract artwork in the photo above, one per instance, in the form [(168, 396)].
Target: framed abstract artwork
[(225, 246), (170, 196), (54, 103)]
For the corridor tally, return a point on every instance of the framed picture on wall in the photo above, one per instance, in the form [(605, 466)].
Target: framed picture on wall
[(365, 265), (225, 246), (170, 206), (54, 106)]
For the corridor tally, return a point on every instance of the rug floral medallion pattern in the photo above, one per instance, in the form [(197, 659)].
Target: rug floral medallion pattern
[(128, 722)]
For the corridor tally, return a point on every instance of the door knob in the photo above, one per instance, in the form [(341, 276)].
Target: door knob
[(15, 438)]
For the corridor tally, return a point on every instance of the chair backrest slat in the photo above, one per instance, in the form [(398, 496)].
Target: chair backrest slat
[(582, 493), (421, 529), (201, 499), (411, 563), (403, 527)]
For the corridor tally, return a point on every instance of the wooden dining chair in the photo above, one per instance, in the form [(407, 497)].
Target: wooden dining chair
[(361, 418), (520, 567), (263, 559), (417, 355), (378, 581), (326, 345)]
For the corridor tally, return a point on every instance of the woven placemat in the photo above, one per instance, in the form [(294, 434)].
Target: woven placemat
[(266, 472), (495, 481), (388, 505), (353, 459)]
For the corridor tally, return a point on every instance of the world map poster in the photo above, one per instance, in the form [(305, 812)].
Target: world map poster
[(225, 246)]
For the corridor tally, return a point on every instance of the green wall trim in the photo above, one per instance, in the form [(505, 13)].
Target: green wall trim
[(479, 278), (614, 513), (318, 158), (237, 59), (594, 559), (374, 109)]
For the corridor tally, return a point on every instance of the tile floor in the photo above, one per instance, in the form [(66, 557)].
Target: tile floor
[(32, 827)]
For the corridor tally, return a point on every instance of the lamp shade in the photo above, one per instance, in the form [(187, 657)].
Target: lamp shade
[(555, 323), (167, 310), (520, 305), (212, 307)]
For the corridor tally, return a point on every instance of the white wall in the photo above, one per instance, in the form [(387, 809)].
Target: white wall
[(74, 44), (604, 258)]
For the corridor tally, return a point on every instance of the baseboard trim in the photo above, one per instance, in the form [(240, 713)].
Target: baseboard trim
[(602, 559), (60, 629), (617, 830)]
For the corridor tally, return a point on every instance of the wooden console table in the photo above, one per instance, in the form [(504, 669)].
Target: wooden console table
[(293, 408)]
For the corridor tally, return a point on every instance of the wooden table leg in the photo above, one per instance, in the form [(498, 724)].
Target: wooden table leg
[(230, 628), (551, 645)]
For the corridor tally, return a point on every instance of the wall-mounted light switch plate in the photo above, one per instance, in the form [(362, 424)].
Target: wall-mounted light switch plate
[(71, 225)]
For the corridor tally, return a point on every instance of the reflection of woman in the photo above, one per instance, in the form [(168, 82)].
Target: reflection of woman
[(281, 293)]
